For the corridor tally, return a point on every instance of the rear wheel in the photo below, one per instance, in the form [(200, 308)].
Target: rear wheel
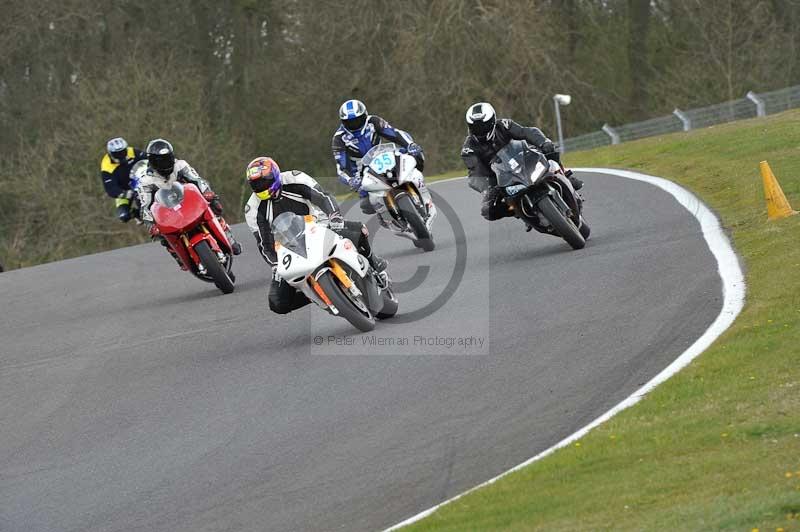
[(563, 226), (585, 229), (354, 311), (410, 213), (215, 270), (390, 304)]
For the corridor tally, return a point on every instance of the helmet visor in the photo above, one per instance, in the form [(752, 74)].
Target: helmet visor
[(264, 187), (119, 156), (354, 124), (481, 129), (163, 163)]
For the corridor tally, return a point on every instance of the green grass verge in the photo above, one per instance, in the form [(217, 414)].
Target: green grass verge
[(717, 447)]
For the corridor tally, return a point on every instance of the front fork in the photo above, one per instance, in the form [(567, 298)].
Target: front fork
[(421, 197)]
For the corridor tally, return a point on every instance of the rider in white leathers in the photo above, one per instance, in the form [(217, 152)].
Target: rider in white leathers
[(162, 172)]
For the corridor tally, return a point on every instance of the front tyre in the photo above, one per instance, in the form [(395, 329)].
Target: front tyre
[(411, 215), (215, 270), (564, 227), (360, 318)]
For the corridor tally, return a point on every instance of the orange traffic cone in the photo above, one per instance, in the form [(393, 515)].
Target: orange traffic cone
[(777, 204)]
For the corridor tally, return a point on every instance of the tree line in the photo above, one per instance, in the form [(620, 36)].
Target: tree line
[(227, 80)]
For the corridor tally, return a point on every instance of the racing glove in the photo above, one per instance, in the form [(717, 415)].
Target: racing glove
[(213, 202), (550, 151), (336, 222), (355, 181), (414, 149), (124, 213), (123, 203)]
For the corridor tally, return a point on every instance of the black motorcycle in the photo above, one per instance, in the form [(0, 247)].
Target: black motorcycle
[(539, 193)]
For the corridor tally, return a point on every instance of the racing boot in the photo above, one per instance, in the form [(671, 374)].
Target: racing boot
[(365, 248), (366, 206), (379, 267), (236, 247), (577, 184), (378, 263)]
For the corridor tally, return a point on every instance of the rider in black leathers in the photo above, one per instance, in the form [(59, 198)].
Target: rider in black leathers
[(487, 136)]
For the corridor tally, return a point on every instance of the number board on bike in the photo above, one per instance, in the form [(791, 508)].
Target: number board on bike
[(382, 163)]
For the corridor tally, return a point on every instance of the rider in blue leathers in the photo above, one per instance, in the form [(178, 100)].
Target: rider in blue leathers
[(358, 133)]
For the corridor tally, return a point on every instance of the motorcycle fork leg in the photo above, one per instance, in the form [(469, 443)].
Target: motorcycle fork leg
[(340, 274), (390, 202), (415, 196), (426, 194), (320, 292)]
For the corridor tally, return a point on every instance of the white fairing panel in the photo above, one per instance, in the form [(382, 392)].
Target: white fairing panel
[(371, 184), (408, 171), (295, 268)]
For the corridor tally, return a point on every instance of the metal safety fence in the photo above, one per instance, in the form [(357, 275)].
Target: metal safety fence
[(752, 105)]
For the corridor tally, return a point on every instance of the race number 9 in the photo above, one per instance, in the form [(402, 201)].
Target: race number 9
[(287, 261)]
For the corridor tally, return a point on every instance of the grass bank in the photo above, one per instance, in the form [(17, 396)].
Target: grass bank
[(717, 447)]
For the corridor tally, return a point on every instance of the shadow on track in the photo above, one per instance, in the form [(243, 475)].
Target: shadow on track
[(175, 300)]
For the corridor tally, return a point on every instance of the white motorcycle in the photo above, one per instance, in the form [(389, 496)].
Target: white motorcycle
[(398, 193), (330, 271)]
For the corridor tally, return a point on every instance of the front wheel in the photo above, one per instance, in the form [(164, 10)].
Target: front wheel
[(356, 312), (411, 215), (214, 268), (564, 227)]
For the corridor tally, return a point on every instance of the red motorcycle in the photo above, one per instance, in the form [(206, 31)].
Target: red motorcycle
[(196, 235)]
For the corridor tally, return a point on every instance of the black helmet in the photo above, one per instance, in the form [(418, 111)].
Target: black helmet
[(117, 149), (161, 156), (481, 120)]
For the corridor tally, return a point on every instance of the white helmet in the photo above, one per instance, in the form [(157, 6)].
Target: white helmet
[(117, 149), (481, 120)]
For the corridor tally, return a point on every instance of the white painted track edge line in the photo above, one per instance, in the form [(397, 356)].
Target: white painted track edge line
[(733, 293)]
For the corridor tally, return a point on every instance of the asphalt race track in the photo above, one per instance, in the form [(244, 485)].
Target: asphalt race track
[(135, 397)]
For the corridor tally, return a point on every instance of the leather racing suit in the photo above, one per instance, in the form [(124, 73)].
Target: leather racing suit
[(302, 195), (350, 147), (478, 155), (151, 181)]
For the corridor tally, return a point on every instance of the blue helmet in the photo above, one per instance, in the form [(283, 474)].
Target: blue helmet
[(353, 114)]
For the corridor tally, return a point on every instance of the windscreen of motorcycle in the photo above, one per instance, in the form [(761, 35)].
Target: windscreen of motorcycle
[(170, 197), (518, 164), (178, 208), (289, 230), (381, 158)]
